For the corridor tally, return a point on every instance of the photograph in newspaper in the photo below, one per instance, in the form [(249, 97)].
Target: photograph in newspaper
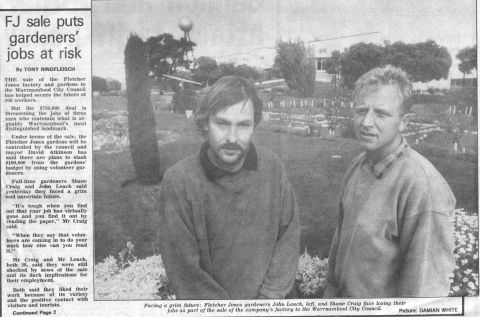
[(46, 170), (252, 157), (211, 213)]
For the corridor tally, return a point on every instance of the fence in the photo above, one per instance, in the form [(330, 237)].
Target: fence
[(282, 103)]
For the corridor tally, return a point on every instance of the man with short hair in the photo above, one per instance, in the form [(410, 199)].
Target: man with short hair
[(394, 236), (229, 216)]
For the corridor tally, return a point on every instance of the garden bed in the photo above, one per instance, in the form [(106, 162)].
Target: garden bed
[(146, 279), (110, 132)]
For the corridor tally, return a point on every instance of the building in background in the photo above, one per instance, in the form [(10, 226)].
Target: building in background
[(321, 50), (468, 82), (262, 58)]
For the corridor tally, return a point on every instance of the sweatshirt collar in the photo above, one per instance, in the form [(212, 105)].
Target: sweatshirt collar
[(387, 161), (213, 172)]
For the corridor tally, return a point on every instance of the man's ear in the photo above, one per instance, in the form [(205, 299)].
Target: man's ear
[(205, 129), (205, 132), (404, 120)]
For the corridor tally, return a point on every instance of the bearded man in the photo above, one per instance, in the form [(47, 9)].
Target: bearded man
[(229, 216)]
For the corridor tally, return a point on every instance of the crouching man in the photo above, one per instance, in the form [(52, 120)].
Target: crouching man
[(229, 216), (394, 236)]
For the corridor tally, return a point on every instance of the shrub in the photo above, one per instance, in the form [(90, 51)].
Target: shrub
[(184, 99)]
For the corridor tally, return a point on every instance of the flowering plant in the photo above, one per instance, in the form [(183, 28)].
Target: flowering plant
[(130, 278), (311, 276), (110, 131), (464, 279)]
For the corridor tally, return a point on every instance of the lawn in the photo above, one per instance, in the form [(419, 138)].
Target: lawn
[(315, 167)]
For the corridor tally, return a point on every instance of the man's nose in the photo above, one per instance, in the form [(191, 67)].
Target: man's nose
[(368, 119), (232, 135)]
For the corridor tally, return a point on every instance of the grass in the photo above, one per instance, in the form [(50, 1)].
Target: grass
[(313, 170), (316, 177)]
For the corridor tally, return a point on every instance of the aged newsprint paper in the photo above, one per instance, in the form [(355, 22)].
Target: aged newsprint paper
[(79, 229)]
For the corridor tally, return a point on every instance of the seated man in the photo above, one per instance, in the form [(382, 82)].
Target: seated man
[(229, 216), (394, 236)]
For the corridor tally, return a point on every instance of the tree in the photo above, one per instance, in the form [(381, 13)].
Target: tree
[(247, 72), (185, 97), (224, 69), (296, 68), (203, 69), (423, 61), (165, 54), (113, 84), (332, 64), (141, 120), (271, 73), (359, 59), (468, 59), (177, 85), (99, 83)]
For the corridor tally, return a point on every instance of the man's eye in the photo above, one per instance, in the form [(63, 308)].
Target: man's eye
[(361, 111)]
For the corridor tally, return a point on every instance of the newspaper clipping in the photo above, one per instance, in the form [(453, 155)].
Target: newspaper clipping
[(239, 158)]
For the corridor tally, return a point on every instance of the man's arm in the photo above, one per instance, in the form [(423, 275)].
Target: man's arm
[(427, 243), (179, 249), (331, 290), (284, 264)]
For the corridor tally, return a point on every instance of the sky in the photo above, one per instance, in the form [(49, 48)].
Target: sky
[(223, 27)]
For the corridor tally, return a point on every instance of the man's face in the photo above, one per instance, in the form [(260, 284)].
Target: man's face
[(229, 133), (378, 120)]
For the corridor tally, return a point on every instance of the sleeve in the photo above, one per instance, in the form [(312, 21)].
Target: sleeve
[(284, 263), (427, 243), (331, 288), (180, 251)]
